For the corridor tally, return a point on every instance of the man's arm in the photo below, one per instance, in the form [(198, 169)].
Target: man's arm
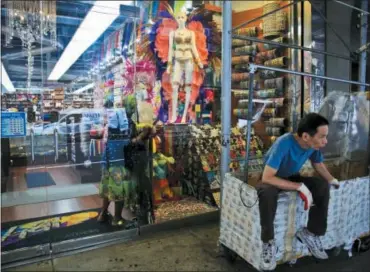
[(323, 171), (269, 177)]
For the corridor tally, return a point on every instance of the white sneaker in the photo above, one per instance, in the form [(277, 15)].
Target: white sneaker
[(313, 243), (268, 260)]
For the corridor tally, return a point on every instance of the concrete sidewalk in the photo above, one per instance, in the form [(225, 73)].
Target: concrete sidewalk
[(190, 249)]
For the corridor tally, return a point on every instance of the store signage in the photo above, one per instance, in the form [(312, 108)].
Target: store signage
[(13, 124)]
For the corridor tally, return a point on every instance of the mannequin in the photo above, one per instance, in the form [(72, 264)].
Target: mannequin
[(183, 50)]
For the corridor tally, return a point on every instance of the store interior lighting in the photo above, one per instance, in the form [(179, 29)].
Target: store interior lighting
[(5, 80), (98, 19), (85, 88)]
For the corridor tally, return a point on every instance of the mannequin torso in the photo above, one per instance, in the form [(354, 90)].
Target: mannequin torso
[(183, 39)]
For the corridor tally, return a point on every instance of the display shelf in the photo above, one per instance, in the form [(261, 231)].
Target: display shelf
[(53, 100), (271, 87)]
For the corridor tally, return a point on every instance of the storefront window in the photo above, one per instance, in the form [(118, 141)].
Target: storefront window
[(114, 137)]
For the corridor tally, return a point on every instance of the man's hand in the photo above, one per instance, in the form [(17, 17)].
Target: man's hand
[(306, 196), (334, 182)]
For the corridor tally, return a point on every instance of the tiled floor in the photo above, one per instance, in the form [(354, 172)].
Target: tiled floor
[(190, 249)]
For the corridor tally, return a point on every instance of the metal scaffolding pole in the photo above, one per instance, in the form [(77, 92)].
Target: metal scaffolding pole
[(226, 89), (252, 70), (363, 56), (363, 9), (257, 66)]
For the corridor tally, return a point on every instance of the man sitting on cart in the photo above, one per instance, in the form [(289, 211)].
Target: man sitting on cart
[(281, 172)]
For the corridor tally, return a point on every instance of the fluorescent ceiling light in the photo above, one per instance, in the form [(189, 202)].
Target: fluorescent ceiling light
[(5, 80), (85, 88), (99, 18)]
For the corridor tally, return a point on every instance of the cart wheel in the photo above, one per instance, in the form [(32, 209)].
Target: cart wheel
[(229, 254)]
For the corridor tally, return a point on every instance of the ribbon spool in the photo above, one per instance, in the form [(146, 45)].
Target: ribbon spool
[(261, 57), (278, 40), (277, 103), (274, 131), (277, 122), (237, 43), (243, 103), (278, 62), (246, 50), (240, 113), (268, 93), (275, 83), (240, 94), (275, 23), (266, 74), (242, 67), (245, 84), (240, 59), (270, 112), (247, 31), (239, 76)]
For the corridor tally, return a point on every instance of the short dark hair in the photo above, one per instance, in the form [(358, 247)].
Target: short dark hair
[(310, 122)]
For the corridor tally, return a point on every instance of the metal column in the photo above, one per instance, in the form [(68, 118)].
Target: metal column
[(252, 70), (226, 89), (364, 26)]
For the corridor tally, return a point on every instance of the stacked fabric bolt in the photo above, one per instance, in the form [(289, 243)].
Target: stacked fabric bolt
[(274, 83), (247, 31), (261, 57), (268, 93), (267, 74), (277, 40), (237, 77), (245, 84), (246, 50), (278, 62), (238, 43), (277, 122), (240, 94), (240, 60)]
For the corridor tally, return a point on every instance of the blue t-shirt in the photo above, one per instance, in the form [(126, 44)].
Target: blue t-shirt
[(288, 157)]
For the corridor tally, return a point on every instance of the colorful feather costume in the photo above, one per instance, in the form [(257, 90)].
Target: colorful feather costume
[(154, 45)]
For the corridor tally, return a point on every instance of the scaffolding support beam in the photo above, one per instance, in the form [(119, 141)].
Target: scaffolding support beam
[(363, 8), (257, 66), (226, 90), (363, 55), (253, 39)]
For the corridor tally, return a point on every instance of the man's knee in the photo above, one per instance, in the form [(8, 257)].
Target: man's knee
[(318, 186)]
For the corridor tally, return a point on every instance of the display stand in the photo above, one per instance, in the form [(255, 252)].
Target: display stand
[(239, 222)]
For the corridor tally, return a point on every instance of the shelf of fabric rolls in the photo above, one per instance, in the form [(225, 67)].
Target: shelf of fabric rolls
[(268, 85)]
